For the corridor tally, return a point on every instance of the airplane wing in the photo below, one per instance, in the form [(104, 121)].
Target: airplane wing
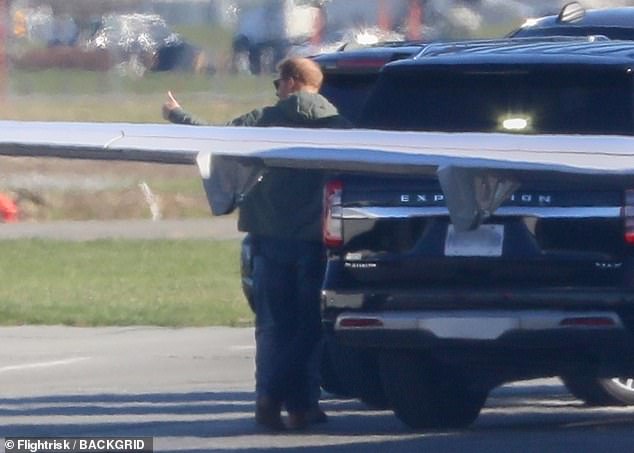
[(477, 171)]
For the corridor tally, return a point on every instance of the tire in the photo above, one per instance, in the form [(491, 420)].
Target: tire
[(426, 394), (357, 372), (240, 55), (267, 60), (366, 379), (255, 60), (330, 380), (596, 391)]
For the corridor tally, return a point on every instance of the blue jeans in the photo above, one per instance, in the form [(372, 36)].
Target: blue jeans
[(264, 359), (287, 278)]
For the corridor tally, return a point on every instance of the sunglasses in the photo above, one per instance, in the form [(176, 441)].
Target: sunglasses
[(278, 81)]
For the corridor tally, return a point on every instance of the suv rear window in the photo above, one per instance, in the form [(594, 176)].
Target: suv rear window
[(554, 99), (349, 92)]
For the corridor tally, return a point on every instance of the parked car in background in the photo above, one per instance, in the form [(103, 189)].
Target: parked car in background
[(132, 43)]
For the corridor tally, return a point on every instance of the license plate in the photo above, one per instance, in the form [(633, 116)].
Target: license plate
[(486, 240)]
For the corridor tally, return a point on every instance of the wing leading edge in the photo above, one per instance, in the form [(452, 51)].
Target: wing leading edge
[(476, 170)]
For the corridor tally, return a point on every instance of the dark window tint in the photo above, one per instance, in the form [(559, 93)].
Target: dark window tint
[(555, 100), (348, 92)]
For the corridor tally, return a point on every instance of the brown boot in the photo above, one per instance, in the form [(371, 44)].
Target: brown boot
[(316, 415), (297, 421), (268, 414)]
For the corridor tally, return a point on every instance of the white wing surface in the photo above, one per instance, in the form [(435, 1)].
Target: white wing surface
[(230, 158)]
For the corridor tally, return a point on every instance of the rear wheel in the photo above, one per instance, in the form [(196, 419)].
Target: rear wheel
[(267, 60), (427, 394), (330, 379), (358, 372), (596, 391)]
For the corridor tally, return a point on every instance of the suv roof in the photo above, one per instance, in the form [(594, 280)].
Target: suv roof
[(558, 49), (350, 75), (573, 86), (367, 59), (574, 20)]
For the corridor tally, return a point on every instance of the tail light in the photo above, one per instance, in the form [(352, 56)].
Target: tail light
[(359, 322), (628, 216), (366, 63), (333, 221), (588, 321)]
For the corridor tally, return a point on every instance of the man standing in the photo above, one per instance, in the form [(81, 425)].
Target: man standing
[(282, 213)]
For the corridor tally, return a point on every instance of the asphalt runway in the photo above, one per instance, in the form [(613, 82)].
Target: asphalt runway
[(191, 390)]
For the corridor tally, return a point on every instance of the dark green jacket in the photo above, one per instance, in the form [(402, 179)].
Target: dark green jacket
[(286, 203)]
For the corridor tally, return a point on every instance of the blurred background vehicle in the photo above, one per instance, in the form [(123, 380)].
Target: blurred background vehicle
[(249, 36), (147, 41), (266, 31), (138, 41)]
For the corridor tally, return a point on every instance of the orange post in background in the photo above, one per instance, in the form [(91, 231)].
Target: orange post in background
[(383, 20), (415, 21), (8, 209)]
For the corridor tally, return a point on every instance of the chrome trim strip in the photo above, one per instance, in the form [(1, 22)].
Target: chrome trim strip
[(477, 325), (377, 212)]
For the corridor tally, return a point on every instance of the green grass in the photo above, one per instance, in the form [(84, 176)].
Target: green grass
[(185, 186), (62, 82), (164, 283), (213, 39), (58, 95)]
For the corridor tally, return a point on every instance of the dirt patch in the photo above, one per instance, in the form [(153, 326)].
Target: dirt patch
[(64, 189), (65, 57)]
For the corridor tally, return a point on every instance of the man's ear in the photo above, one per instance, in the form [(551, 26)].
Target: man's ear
[(294, 85)]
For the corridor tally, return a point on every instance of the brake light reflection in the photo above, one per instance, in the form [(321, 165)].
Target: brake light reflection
[(360, 322), (365, 63), (332, 225), (589, 321), (628, 217)]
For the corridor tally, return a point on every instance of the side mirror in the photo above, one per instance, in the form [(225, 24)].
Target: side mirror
[(571, 12)]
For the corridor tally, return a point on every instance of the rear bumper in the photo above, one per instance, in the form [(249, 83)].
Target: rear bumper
[(393, 299), (599, 332)]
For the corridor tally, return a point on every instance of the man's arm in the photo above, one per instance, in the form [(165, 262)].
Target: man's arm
[(180, 116), (174, 113), (250, 119)]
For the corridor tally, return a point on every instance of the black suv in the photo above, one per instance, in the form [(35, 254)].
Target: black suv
[(427, 319), (390, 259)]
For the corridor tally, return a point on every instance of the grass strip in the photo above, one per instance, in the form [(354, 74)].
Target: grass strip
[(122, 282)]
